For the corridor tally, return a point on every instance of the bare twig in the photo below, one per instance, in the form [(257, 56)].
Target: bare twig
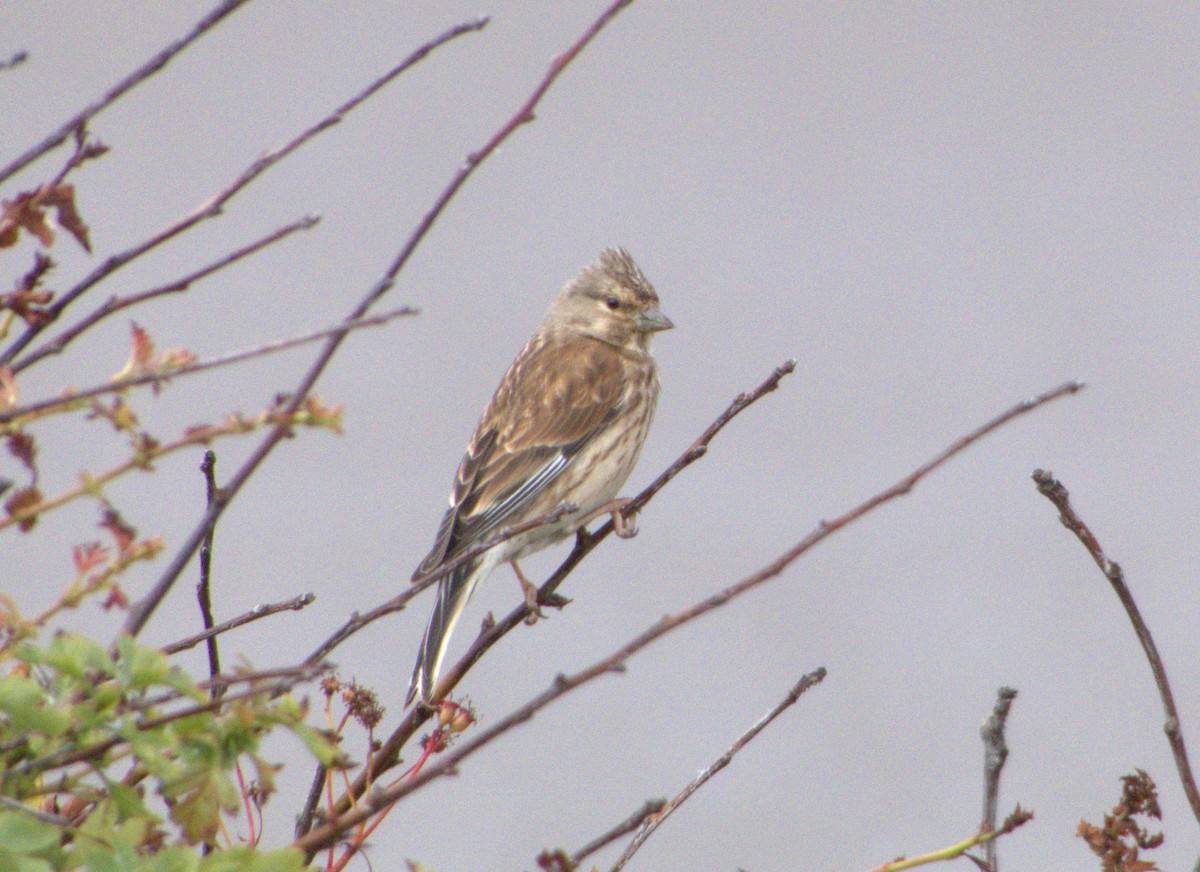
[(1053, 490), (563, 684), (214, 205), (356, 621), (14, 60), (71, 397), (116, 304), (208, 466), (652, 823), (648, 810), (45, 817), (134, 79), (295, 604), (995, 752)]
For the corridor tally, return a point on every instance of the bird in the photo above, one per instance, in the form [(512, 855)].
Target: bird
[(563, 431)]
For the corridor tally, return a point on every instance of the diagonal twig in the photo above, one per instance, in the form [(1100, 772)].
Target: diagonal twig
[(654, 822), (134, 79), (1053, 490), (649, 809), (294, 604), (40, 406), (115, 304), (564, 684), (397, 603)]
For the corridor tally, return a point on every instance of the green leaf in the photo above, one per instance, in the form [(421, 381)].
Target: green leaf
[(127, 802), (245, 859), (319, 745), (171, 860), (23, 834), (77, 656), (10, 862), (26, 706), (198, 811), (141, 666)]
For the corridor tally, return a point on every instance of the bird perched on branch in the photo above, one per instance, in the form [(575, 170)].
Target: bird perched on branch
[(565, 426)]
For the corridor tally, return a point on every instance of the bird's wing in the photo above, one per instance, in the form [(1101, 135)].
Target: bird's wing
[(558, 395)]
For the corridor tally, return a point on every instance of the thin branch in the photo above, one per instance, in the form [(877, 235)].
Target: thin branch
[(134, 79), (45, 817), (995, 752), (357, 622), (147, 451), (72, 397), (389, 752), (653, 823), (116, 304), (292, 677), (295, 604), (14, 60), (1053, 490), (208, 466), (648, 810), (1019, 817), (214, 205)]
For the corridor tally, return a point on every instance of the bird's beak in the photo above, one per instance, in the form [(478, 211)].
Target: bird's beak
[(653, 320)]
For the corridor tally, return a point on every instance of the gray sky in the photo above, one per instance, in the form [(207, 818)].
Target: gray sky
[(937, 209)]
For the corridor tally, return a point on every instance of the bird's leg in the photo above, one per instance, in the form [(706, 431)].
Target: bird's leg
[(531, 595), (624, 525)]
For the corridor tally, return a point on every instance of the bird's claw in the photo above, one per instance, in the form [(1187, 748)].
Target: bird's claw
[(624, 525), (531, 602), (556, 600)]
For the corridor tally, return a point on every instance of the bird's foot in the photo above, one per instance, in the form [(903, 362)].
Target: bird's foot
[(530, 591), (624, 525)]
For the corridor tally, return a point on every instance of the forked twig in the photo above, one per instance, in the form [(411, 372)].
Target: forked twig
[(652, 823), (650, 808)]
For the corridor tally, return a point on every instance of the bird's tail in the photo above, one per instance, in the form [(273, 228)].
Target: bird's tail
[(453, 592)]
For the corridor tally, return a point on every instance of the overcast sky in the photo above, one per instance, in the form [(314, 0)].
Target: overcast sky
[(937, 209)]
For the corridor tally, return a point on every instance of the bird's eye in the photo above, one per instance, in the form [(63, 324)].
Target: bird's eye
[(613, 303)]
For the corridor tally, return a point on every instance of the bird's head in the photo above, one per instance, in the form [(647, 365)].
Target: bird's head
[(611, 300)]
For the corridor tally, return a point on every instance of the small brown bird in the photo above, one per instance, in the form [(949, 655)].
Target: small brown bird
[(566, 425)]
